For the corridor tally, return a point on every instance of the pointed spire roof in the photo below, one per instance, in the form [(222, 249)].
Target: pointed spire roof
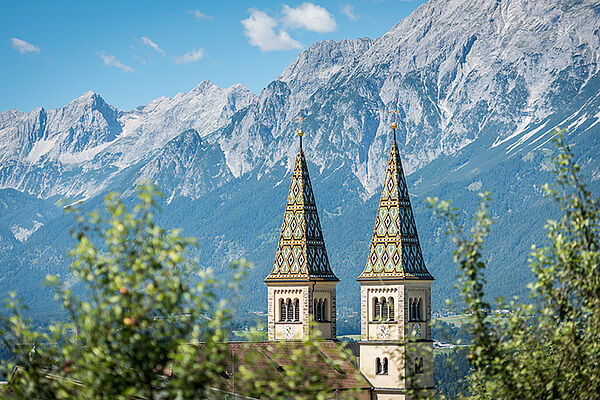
[(301, 253), (395, 252)]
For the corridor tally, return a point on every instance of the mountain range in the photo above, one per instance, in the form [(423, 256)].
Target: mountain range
[(476, 87)]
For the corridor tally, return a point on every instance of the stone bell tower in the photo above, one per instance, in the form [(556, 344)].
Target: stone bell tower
[(396, 351), (301, 286)]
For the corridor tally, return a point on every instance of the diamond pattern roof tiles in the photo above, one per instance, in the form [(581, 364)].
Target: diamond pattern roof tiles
[(301, 253), (395, 252)]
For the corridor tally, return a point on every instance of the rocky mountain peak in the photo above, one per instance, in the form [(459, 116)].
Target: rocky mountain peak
[(89, 95), (317, 64), (204, 86)]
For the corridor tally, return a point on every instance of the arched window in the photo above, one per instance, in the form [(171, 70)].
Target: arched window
[(290, 310), (385, 366), (324, 312), (378, 366), (410, 309), (413, 310), (282, 310), (416, 306), (419, 311), (384, 309), (375, 309), (322, 309), (297, 310), (318, 307), (391, 309)]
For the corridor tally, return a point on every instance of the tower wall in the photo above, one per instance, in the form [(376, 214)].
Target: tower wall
[(284, 328), (403, 342)]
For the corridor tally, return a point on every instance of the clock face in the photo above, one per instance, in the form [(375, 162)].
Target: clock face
[(417, 330), (383, 331), (288, 331)]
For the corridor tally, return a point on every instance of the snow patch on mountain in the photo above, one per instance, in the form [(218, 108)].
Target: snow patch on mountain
[(39, 149), (22, 234)]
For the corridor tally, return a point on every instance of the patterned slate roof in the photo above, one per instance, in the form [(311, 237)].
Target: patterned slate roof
[(395, 252), (301, 253)]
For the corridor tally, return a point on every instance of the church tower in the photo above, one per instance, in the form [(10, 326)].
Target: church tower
[(396, 351), (301, 286)]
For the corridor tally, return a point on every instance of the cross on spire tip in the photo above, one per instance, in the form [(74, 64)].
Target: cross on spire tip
[(299, 119), (394, 111)]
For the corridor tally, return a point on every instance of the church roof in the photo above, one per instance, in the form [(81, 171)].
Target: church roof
[(301, 253), (395, 252), (271, 358)]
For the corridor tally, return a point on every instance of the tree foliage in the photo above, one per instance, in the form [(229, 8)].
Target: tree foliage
[(148, 323), (549, 347), (133, 332)]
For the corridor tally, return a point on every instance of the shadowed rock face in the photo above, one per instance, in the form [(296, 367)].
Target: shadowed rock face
[(186, 167)]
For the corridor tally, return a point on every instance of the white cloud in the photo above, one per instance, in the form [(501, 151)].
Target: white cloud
[(146, 40), (199, 14), (111, 61), (140, 59), (190, 56), (23, 47), (309, 16), (260, 30), (348, 11)]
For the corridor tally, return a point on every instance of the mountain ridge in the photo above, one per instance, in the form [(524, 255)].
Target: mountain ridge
[(92, 140)]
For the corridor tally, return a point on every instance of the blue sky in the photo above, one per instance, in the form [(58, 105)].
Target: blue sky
[(131, 52)]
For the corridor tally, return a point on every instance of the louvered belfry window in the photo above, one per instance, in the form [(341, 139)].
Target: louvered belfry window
[(290, 310), (384, 309), (297, 310), (282, 310)]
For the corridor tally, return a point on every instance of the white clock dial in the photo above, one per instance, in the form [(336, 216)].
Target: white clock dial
[(288, 331), (383, 331)]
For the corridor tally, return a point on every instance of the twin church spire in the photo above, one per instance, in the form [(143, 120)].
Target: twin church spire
[(395, 251), (301, 284), (301, 253), (395, 285)]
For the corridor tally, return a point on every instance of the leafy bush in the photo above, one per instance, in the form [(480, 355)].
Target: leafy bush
[(548, 348), (150, 323)]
